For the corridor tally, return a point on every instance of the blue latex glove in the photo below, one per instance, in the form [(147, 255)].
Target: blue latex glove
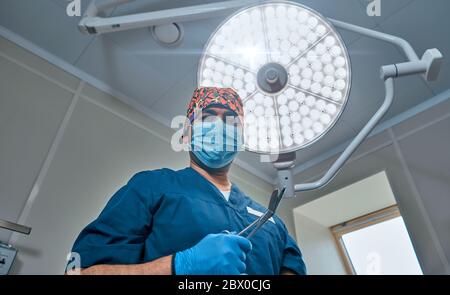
[(215, 254)]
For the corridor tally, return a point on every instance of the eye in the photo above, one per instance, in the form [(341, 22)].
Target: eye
[(208, 117)]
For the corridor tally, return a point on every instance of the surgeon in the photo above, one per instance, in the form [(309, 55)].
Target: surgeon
[(185, 222)]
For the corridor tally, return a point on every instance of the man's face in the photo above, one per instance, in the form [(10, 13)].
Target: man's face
[(213, 113), (214, 143)]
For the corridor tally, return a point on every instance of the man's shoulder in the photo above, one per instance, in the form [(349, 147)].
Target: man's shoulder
[(151, 174), (154, 178)]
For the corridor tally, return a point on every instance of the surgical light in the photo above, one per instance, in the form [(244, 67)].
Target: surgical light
[(290, 67), (288, 64)]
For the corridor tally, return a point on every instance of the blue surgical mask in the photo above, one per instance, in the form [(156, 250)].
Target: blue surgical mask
[(215, 143)]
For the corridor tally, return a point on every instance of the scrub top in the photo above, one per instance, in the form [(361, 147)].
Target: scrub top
[(160, 212)]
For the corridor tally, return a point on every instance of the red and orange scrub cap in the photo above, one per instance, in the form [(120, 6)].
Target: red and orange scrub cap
[(208, 96)]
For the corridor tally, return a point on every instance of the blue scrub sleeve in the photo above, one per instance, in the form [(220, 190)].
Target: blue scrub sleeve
[(118, 235), (292, 257)]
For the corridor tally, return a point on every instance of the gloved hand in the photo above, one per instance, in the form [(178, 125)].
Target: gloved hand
[(215, 254)]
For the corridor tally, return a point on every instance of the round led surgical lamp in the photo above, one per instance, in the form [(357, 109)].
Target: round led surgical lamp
[(292, 70), (289, 66)]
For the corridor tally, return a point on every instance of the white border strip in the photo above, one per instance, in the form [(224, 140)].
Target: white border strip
[(47, 162)]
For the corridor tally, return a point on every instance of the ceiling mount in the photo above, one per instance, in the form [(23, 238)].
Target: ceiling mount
[(168, 34)]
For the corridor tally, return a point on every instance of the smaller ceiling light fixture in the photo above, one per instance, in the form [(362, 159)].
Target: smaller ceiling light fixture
[(168, 34)]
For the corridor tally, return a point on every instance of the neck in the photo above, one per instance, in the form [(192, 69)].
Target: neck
[(219, 178)]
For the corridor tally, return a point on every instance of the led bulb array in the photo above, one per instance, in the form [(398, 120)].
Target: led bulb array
[(323, 70), (218, 73), (313, 56), (241, 40)]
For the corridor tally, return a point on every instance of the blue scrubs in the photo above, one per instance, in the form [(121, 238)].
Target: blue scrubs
[(161, 212)]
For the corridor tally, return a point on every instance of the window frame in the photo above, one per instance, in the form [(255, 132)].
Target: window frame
[(358, 223)]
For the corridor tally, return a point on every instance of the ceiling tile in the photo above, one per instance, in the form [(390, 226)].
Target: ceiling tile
[(123, 71), (168, 62), (425, 25), (367, 94), (388, 8), (175, 100), (46, 24), (437, 112)]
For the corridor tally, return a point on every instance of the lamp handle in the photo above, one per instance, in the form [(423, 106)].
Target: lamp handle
[(15, 227)]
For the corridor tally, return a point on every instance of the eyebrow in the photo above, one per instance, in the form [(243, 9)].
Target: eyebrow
[(206, 113), (224, 115), (209, 112)]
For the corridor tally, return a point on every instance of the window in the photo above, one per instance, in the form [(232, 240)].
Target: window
[(377, 243)]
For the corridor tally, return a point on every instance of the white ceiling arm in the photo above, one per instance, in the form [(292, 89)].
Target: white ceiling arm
[(92, 24), (429, 66)]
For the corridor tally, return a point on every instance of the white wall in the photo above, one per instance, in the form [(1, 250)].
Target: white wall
[(318, 247), (65, 148)]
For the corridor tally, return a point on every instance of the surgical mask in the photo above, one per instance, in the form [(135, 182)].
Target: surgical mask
[(215, 143)]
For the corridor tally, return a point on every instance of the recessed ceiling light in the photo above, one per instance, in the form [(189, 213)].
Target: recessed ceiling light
[(168, 34)]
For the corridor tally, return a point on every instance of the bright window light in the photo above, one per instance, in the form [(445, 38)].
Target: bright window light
[(384, 248), (289, 66)]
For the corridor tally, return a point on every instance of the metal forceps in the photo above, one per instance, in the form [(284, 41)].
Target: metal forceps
[(275, 199)]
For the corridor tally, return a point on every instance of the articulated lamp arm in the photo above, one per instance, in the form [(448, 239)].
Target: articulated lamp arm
[(429, 66)]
